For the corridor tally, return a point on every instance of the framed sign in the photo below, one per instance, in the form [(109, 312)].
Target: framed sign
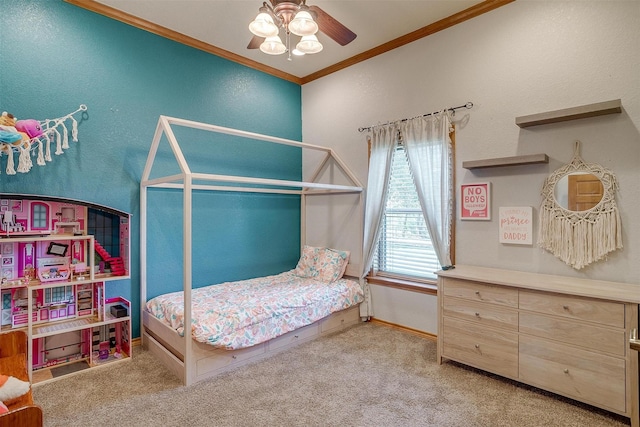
[(58, 249), (516, 225), (475, 201), (16, 205)]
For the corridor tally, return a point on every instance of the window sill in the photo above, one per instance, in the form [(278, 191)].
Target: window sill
[(404, 284)]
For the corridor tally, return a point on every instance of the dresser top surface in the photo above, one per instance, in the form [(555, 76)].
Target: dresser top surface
[(613, 291)]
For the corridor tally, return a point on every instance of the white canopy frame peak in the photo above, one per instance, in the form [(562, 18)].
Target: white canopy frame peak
[(250, 184)]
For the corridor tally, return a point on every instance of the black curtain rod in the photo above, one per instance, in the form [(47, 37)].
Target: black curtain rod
[(468, 105)]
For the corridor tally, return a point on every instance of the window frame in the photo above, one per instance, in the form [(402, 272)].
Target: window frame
[(412, 283), (34, 217)]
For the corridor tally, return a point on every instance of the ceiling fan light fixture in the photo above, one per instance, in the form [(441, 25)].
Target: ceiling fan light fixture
[(272, 45), (303, 24), (294, 17), (309, 44), (263, 25)]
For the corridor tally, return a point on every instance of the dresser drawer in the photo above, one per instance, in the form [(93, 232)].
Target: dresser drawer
[(599, 338), (483, 292), (482, 313), (484, 348), (602, 312), (592, 378)]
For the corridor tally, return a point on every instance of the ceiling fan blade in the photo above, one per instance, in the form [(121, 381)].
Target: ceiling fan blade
[(255, 42), (332, 28)]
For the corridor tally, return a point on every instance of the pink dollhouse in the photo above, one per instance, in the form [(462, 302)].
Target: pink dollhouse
[(51, 259)]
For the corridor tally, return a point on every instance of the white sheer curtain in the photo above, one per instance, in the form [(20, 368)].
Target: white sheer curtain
[(383, 140), (430, 154)]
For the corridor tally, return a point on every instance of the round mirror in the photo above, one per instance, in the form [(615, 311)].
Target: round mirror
[(578, 191), (579, 219)]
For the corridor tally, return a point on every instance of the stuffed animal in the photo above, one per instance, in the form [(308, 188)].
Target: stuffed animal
[(8, 123), (30, 126), (9, 137), (8, 140), (7, 119), (10, 388)]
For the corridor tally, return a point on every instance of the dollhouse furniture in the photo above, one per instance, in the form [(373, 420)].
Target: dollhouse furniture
[(13, 361), (566, 335), (9, 223), (67, 222), (192, 360), (52, 289)]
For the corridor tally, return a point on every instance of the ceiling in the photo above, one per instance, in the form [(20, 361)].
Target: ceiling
[(221, 27)]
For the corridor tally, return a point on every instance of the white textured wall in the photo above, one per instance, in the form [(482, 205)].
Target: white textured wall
[(523, 58), (410, 309)]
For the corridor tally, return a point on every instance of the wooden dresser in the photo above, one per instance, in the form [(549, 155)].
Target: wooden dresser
[(566, 335)]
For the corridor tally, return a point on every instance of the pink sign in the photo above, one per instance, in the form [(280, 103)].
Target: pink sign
[(475, 201), (516, 225)]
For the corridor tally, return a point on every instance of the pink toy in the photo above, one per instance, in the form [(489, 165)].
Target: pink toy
[(29, 126)]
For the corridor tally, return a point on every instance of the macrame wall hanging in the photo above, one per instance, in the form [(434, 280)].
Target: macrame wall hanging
[(580, 236), (24, 138)]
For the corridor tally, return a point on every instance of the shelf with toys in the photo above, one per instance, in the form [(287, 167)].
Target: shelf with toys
[(55, 278)]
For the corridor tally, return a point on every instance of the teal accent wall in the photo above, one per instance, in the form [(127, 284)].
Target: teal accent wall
[(55, 56)]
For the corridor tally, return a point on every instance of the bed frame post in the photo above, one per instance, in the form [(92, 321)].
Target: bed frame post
[(143, 222), (186, 279), (303, 220)]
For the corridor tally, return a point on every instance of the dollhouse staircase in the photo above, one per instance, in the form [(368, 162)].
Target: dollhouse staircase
[(116, 263)]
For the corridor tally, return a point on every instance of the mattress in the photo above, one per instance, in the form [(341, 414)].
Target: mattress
[(241, 314)]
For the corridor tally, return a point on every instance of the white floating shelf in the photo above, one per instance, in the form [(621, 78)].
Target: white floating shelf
[(574, 113), (506, 161)]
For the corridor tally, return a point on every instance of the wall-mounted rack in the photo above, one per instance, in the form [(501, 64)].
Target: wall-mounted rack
[(574, 113), (506, 161)]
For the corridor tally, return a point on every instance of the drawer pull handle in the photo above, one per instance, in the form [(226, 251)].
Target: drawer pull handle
[(295, 336), (566, 371), (477, 314), (234, 357), (566, 307), (478, 293), (477, 346)]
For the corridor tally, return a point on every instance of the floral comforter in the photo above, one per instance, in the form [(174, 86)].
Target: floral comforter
[(240, 314)]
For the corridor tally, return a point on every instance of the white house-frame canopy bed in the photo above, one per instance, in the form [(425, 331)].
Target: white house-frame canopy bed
[(319, 270)]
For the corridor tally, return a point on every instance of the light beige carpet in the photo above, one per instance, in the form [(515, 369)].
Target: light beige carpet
[(368, 375)]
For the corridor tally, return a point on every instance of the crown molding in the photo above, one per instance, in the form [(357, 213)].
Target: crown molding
[(472, 12)]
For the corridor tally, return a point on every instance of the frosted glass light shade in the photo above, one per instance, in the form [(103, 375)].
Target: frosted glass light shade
[(263, 26), (309, 44), (273, 46), (303, 24)]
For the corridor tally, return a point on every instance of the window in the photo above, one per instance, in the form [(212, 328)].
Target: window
[(39, 216), (105, 227), (404, 247), (58, 294)]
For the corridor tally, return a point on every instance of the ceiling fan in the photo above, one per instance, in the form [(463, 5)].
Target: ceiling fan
[(294, 17)]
